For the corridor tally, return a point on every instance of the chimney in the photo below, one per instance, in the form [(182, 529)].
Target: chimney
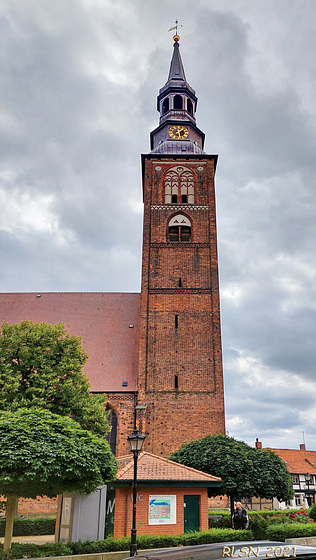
[(258, 444), (302, 447)]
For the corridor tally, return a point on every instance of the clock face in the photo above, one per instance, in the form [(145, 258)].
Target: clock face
[(178, 132)]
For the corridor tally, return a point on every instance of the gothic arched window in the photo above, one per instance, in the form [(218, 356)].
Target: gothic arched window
[(179, 229), (112, 435), (179, 186)]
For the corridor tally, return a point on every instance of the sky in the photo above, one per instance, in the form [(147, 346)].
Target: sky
[(78, 88)]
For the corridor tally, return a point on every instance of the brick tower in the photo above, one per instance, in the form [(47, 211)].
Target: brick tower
[(180, 379)]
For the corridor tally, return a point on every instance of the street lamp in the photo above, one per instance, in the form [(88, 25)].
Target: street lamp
[(135, 441)]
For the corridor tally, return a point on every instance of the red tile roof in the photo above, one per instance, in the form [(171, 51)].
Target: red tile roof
[(101, 319), (298, 461), (154, 468)]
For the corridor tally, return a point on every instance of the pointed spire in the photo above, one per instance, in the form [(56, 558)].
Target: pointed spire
[(176, 71)]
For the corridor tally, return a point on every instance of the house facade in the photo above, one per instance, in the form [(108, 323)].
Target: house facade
[(301, 464)]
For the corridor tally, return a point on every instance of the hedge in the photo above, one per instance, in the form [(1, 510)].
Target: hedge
[(284, 531), (110, 544), (32, 526)]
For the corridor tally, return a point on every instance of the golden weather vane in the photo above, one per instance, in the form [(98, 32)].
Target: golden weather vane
[(175, 27)]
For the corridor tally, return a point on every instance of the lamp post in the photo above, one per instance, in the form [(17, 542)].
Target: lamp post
[(135, 441)]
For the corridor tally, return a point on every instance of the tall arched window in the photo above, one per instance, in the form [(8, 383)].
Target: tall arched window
[(179, 186), (189, 106), (112, 435), (177, 102), (165, 105), (179, 229)]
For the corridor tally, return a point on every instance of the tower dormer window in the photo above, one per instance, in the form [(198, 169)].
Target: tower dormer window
[(179, 229), (179, 186), (178, 102)]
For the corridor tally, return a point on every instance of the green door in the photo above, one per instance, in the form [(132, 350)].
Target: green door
[(191, 513)]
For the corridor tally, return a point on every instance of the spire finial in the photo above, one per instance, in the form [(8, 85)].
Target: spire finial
[(176, 37)]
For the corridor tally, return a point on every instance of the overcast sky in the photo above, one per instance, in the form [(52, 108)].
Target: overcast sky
[(79, 80)]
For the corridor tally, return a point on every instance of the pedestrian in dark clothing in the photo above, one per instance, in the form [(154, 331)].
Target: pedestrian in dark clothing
[(240, 519)]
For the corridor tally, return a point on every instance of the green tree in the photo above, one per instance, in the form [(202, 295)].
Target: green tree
[(245, 471), (41, 366), (45, 454)]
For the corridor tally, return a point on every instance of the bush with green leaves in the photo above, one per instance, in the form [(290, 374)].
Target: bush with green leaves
[(312, 512), (283, 531), (114, 545), (31, 526)]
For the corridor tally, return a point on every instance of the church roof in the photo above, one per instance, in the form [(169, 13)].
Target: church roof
[(155, 468), (107, 322)]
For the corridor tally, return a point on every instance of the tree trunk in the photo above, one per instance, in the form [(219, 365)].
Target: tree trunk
[(11, 511), (232, 502)]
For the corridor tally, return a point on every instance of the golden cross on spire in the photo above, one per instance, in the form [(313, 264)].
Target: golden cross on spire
[(175, 27)]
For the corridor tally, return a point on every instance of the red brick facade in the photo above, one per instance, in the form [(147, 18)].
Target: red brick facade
[(180, 376), (124, 504)]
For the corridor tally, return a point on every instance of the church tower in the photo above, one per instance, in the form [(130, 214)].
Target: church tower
[(180, 379)]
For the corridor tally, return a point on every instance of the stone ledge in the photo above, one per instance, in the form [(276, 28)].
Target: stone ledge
[(307, 541)]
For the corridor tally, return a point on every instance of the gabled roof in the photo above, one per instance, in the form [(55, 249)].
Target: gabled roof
[(298, 461), (154, 468), (102, 320)]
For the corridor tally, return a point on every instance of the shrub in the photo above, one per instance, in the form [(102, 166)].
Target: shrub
[(31, 526), (222, 521), (312, 512), (110, 544), (284, 531), (35, 550)]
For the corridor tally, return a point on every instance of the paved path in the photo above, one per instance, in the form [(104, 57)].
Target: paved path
[(40, 539)]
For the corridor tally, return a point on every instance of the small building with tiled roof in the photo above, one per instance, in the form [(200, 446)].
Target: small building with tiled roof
[(301, 464), (171, 498)]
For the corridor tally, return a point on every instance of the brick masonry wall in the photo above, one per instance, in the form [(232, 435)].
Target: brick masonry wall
[(124, 504), (37, 507), (180, 362)]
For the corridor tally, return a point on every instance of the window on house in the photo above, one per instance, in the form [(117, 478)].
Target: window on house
[(176, 382)]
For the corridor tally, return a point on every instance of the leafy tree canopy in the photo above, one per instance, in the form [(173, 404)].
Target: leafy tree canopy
[(41, 366), (245, 471), (46, 454), (42, 453)]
